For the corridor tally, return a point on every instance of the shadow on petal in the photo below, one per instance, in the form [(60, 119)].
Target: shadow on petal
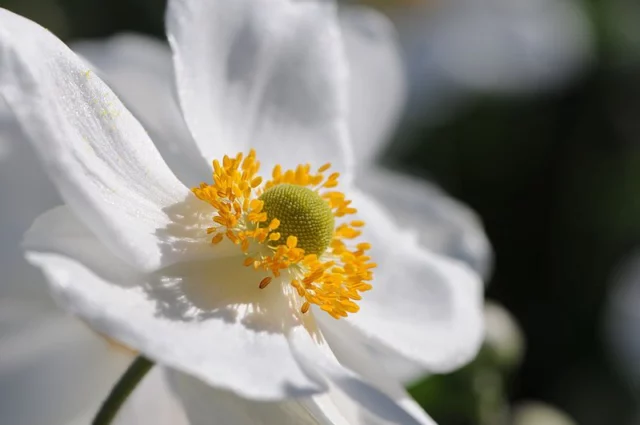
[(185, 237), (224, 289), (215, 283)]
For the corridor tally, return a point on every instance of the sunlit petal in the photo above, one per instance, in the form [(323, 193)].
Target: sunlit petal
[(425, 306), (99, 157), (208, 319), (264, 74)]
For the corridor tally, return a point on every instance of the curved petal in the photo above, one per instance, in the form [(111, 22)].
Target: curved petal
[(402, 368), (99, 157), (354, 352), (378, 87), (208, 319), (207, 405), (350, 401), (443, 225), (264, 74), (39, 357), (389, 361), (425, 306), (139, 69), (355, 397)]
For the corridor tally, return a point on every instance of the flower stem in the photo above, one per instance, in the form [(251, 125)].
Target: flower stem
[(122, 390)]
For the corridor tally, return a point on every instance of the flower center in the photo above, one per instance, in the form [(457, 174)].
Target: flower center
[(302, 213), (287, 227)]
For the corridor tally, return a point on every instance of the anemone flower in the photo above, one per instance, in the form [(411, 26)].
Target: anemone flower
[(258, 287)]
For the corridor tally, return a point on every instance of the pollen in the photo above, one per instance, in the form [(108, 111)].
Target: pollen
[(294, 227)]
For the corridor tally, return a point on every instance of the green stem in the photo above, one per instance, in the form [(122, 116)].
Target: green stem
[(122, 390)]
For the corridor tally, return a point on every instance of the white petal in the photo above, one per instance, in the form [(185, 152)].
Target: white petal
[(378, 86), (423, 305), (27, 193), (208, 319), (264, 74), (100, 158), (54, 370), (139, 69), (354, 396), (350, 401), (444, 225), (205, 405), (402, 368), (354, 352)]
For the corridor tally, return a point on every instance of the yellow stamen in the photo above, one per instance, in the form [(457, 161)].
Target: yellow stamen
[(333, 277)]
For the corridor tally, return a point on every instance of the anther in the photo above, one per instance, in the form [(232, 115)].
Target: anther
[(324, 168), (264, 282)]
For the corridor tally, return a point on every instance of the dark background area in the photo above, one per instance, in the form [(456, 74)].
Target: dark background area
[(555, 178)]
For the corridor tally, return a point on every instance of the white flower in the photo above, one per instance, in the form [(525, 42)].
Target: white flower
[(129, 251)]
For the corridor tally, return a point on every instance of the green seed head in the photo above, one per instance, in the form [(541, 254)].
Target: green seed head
[(302, 213)]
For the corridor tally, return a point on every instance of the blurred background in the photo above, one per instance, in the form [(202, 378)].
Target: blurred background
[(529, 112)]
